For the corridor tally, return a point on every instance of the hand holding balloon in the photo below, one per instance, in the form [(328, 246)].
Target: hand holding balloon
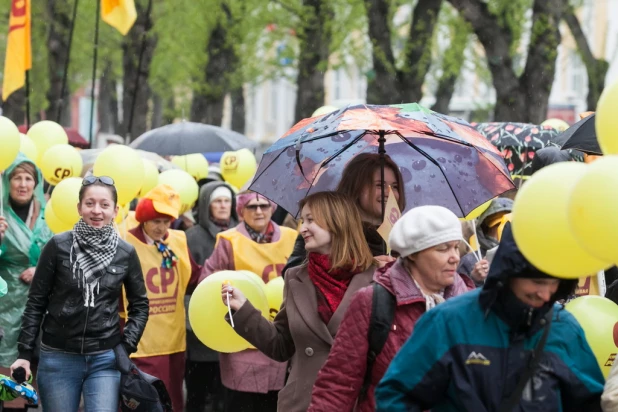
[(235, 296)]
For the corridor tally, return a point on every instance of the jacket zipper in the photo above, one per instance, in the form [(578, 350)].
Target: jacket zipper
[(529, 317), (85, 325)]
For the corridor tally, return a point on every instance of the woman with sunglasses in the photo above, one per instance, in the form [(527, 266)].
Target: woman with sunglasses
[(260, 246), (74, 294)]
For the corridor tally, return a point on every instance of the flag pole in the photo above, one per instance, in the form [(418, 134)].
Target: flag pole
[(65, 73), (139, 72), (94, 70), (27, 100)]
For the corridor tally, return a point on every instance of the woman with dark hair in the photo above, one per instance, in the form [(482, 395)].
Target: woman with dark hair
[(361, 181), (23, 233), (74, 294)]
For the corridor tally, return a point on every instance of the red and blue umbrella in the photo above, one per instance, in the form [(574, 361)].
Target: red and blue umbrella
[(443, 160)]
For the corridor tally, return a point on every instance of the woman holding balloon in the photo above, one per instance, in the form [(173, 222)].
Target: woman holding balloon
[(316, 295), (23, 206)]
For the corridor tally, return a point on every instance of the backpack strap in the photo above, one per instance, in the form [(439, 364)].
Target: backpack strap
[(533, 363), (382, 314)]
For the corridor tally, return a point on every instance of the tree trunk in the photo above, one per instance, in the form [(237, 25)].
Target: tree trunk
[(15, 107), (444, 94), (157, 111), (524, 98), (132, 47), (596, 68), (314, 50), (238, 110), (59, 23), (108, 101)]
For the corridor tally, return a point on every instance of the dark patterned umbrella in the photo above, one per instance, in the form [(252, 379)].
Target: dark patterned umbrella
[(443, 160), (518, 142)]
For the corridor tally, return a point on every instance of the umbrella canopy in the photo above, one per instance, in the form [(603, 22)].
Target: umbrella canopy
[(443, 160), (187, 137), (581, 136), (518, 142), (75, 139)]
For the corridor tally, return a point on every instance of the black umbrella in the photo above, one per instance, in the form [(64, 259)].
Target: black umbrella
[(581, 136), (187, 137)]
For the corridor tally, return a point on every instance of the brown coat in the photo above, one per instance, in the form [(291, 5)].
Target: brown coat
[(298, 333)]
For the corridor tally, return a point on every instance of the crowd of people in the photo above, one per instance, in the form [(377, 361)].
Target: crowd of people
[(419, 322)]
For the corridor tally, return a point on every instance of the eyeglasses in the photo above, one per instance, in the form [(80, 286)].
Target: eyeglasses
[(89, 180), (254, 208)]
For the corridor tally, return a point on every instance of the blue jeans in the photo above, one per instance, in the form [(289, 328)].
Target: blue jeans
[(64, 377)]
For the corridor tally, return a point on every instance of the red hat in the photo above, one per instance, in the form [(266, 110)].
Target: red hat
[(145, 211)]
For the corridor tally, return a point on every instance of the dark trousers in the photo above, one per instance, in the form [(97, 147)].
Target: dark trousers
[(236, 401), (204, 388)]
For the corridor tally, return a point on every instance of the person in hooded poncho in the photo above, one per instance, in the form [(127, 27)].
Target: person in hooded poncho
[(469, 353), (24, 203)]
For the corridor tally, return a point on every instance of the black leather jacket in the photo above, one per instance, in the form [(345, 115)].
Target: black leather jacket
[(56, 299)]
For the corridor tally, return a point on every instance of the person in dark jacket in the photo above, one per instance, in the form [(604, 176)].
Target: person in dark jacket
[(361, 181), (547, 156), (469, 353), (75, 293), (216, 213), (487, 238), (427, 239)]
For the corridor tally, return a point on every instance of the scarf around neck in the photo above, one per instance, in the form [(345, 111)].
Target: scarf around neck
[(431, 300), (258, 237), (93, 249), (330, 285)]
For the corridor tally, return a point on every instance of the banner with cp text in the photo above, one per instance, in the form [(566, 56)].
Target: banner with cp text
[(391, 215), (18, 48)]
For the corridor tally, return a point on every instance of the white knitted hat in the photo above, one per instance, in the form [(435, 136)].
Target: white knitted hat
[(221, 191), (424, 227)]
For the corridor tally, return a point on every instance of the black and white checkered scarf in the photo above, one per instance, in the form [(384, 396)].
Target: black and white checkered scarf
[(92, 251)]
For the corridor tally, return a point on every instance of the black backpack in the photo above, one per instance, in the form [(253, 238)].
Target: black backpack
[(139, 391), (382, 314)]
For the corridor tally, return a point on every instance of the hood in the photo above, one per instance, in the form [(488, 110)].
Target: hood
[(39, 194), (496, 294), (500, 204), (203, 205), (548, 156)]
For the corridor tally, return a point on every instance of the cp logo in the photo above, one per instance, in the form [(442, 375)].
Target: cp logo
[(230, 162), (394, 215)]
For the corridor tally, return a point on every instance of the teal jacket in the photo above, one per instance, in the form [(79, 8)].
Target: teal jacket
[(468, 353)]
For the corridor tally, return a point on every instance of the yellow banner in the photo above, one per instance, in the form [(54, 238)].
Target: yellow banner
[(18, 50), (391, 215), (120, 14)]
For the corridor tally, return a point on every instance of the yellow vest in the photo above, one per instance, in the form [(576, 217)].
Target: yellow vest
[(165, 331), (264, 259)]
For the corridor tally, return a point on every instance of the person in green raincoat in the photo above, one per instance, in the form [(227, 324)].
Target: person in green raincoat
[(23, 205), (3, 228)]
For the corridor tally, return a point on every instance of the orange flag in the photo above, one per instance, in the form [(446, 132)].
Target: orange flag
[(18, 52), (120, 14)]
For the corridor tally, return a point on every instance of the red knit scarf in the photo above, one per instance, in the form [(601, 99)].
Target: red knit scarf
[(329, 287)]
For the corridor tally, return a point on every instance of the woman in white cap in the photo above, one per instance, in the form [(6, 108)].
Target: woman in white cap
[(427, 241)]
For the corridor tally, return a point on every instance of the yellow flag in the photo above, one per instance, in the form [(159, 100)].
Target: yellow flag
[(120, 14), (18, 51), (391, 215)]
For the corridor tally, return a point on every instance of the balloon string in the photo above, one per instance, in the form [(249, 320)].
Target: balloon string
[(229, 308), (476, 236), (472, 249)]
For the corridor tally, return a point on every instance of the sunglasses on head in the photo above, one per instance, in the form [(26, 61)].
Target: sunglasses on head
[(106, 180), (253, 208)]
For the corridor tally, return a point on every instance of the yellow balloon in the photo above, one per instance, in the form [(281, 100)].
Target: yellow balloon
[(238, 167), (28, 148), (476, 212), (592, 209), (46, 134), (606, 121), (184, 184), (195, 164), (207, 311), (53, 222), (557, 124), (541, 224), (274, 294), (60, 162), (151, 177), (125, 166), (598, 318), (321, 111), (9, 142), (123, 212), (65, 198)]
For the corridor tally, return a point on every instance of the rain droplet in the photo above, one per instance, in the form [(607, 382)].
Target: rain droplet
[(405, 173), (274, 182), (432, 175), (470, 164), (419, 164), (442, 181), (458, 158), (441, 160), (473, 191), (417, 188)]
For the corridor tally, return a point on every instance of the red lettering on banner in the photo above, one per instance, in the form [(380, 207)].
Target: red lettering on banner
[(18, 15), (272, 271), (162, 285), (394, 215)]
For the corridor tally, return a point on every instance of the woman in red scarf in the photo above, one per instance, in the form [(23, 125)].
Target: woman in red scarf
[(316, 295)]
